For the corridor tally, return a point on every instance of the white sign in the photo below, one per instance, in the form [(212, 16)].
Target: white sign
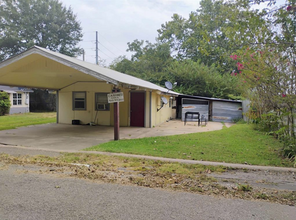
[(115, 97)]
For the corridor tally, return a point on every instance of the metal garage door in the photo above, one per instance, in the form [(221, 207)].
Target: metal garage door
[(226, 111)]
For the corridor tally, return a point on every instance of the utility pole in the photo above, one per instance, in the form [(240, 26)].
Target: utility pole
[(97, 49)]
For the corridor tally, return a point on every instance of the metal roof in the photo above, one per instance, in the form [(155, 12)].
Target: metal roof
[(208, 98), (101, 73), (9, 89)]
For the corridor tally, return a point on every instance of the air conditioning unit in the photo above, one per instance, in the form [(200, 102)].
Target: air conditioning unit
[(101, 106)]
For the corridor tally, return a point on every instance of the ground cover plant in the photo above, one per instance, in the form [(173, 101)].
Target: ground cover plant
[(237, 144), (191, 178), (19, 120)]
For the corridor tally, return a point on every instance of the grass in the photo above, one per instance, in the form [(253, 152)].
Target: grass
[(146, 173), (237, 144), (19, 120)]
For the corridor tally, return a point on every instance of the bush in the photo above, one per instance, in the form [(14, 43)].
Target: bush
[(276, 125), (4, 103)]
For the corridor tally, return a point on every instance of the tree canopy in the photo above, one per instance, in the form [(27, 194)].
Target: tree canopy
[(45, 23)]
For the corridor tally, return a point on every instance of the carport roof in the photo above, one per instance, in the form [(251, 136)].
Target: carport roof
[(96, 72)]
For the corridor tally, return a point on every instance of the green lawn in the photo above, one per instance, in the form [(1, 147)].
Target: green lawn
[(19, 120), (237, 144)]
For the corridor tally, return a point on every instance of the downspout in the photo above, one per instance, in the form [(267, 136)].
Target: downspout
[(150, 112), (57, 105)]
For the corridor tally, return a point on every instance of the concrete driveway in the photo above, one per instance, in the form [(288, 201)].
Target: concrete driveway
[(78, 137)]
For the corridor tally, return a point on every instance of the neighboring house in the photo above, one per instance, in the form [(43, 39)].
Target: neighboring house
[(19, 99), (82, 88)]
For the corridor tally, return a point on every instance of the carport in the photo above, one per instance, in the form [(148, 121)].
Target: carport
[(82, 89)]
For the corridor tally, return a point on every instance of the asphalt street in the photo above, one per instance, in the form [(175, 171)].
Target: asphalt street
[(42, 196)]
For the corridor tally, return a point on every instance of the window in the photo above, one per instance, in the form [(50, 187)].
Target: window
[(17, 99), (79, 100), (101, 102)]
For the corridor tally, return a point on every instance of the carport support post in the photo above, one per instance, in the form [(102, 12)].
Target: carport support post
[(116, 121)]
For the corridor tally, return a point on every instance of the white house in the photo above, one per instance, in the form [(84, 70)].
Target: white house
[(19, 99)]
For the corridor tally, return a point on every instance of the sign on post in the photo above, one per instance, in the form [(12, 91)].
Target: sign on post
[(115, 97)]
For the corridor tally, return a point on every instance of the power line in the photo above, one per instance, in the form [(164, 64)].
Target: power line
[(106, 54), (108, 49)]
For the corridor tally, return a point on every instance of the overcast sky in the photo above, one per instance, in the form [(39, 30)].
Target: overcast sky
[(122, 21)]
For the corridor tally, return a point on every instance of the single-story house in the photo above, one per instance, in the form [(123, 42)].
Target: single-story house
[(82, 89), (213, 109), (19, 99)]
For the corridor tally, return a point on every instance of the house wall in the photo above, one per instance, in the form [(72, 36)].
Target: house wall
[(123, 109), (165, 113), (66, 112), (23, 108)]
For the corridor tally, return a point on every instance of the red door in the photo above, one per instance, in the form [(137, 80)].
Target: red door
[(137, 109)]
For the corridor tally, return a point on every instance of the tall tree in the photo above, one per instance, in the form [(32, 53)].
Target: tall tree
[(46, 23), (213, 32)]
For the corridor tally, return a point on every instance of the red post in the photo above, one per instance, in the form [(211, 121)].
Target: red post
[(116, 121)]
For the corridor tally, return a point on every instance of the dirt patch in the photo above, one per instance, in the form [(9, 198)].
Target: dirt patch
[(200, 179)]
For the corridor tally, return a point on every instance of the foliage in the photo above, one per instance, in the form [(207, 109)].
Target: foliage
[(195, 78), (238, 144), (42, 101), (195, 52), (19, 120), (4, 103), (268, 73), (213, 32), (45, 23)]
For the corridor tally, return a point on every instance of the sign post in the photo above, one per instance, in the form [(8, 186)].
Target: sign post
[(115, 98)]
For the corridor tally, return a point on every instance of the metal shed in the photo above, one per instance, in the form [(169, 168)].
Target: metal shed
[(214, 109)]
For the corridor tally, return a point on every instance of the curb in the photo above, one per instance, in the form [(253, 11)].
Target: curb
[(232, 165)]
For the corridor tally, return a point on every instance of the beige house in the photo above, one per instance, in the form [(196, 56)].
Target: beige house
[(82, 89), (19, 99)]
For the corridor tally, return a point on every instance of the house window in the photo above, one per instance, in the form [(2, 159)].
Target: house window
[(79, 100), (17, 99), (101, 102)]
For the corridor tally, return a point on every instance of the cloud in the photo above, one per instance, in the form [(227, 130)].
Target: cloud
[(122, 21)]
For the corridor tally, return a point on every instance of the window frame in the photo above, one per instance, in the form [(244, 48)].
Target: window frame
[(73, 101), (105, 103), (18, 98)]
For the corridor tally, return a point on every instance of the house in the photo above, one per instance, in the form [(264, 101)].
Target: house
[(82, 88), (19, 99)]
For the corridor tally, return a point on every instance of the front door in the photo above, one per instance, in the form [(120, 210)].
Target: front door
[(137, 109)]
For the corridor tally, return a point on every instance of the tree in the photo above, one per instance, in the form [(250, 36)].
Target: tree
[(148, 62), (4, 103), (45, 23), (195, 78), (268, 71), (213, 32)]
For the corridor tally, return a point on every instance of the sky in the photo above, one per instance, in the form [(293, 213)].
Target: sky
[(121, 21)]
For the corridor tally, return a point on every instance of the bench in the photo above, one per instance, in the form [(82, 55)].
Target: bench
[(192, 115)]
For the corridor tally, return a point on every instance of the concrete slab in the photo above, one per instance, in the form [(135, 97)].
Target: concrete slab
[(78, 137)]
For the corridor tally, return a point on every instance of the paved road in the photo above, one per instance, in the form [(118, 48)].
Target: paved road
[(41, 196)]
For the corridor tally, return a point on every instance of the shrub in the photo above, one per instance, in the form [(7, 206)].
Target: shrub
[(4, 103)]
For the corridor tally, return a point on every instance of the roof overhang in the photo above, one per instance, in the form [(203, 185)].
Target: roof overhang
[(36, 68), (42, 68)]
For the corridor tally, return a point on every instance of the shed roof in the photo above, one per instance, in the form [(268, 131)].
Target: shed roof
[(9, 74), (208, 98)]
